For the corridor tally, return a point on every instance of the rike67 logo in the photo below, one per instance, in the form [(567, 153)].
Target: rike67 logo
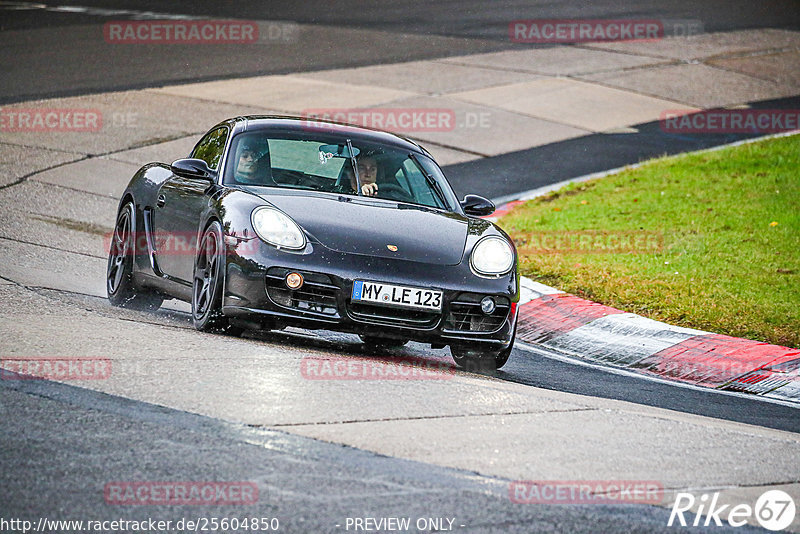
[(774, 510)]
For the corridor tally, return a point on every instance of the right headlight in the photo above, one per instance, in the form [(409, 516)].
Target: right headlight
[(492, 256), (277, 228)]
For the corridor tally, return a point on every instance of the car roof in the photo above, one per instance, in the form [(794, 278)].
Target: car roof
[(289, 124)]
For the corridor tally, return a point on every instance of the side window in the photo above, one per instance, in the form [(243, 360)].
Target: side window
[(211, 147)]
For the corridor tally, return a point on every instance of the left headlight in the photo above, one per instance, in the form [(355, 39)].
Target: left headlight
[(277, 228), (492, 256)]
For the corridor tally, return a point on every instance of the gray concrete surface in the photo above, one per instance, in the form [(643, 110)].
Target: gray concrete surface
[(577, 104), (781, 67), (709, 45), (130, 119), (700, 85), (307, 485), (313, 35), (557, 61), (427, 77), (19, 161), (51, 242), (100, 176), (473, 423)]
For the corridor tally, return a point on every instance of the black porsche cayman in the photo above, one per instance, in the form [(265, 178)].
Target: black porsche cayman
[(277, 221)]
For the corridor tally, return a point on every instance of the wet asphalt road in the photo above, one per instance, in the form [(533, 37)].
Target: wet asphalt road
[(350, 33), (62, 444), (307, 485), (57, 437)]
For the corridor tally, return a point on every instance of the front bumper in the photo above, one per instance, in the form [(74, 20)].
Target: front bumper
[(255, 291)]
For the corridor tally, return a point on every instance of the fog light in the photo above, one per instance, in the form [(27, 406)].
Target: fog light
[(294, 280), (487, 305)]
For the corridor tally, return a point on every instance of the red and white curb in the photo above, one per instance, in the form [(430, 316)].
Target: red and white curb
[(579, 328)]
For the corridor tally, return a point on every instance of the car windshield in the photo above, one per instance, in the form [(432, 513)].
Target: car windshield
[(325, 164)]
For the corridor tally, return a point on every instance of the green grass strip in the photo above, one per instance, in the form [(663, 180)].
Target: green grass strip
[(708, 240)]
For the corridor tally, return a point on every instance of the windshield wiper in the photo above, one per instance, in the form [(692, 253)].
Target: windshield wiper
[(355, 166), (430, 179)]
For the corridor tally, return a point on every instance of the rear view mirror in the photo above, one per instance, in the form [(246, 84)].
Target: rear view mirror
[(477, 205), (327, 152)]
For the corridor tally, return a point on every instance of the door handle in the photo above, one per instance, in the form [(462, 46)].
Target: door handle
[(161, 201)]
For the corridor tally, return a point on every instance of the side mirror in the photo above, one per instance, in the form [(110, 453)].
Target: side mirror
[(476, 205), (192, 168)]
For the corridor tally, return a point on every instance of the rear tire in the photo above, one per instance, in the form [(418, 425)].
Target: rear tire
[(207, 284), (119, 272)]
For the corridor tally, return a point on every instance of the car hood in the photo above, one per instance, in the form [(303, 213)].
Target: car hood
[(369, 226)]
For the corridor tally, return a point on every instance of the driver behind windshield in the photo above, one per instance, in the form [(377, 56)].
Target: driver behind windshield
[(252, 162), (367, 174)]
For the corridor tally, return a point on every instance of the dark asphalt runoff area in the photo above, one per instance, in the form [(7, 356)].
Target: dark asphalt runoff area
[(307, 485), (544, 165), (42, 57)]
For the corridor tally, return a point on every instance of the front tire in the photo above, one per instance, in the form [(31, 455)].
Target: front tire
[(482, 361), (207, 284), (119, 272)]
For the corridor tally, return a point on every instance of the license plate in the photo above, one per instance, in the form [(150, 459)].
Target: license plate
[(401, 296)]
